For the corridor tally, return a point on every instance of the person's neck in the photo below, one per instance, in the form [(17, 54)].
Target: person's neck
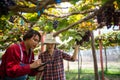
[(51, 52), (27, 47)]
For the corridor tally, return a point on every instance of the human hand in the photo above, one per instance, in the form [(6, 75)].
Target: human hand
[(41, 68), (35, 64), (76, 46)]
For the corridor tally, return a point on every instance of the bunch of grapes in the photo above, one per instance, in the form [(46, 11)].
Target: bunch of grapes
[(109, 16), (55, 24), (4, 6), (100, 19), (10, 2), (85, 38), (11, 19), (116, 18), (79, 42), (108, 13)]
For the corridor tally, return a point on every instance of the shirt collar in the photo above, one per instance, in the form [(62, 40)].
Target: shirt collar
[(23, 46)]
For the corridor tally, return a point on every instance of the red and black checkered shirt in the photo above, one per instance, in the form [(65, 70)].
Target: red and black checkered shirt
[(54, 70)]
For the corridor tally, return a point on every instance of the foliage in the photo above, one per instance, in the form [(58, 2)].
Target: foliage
[(108, 39), (44, 22), (31, 16)]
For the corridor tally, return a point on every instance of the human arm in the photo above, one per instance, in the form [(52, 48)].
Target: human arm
[(39, 74), (68, 57), (34, 67), (12, 63), (75, 53)]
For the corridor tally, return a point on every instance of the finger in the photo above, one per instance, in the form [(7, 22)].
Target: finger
[(33, 60)]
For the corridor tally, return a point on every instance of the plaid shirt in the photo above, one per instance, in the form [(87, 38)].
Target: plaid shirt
[(54, 70)]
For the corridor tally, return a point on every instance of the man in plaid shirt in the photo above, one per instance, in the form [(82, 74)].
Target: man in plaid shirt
[(54, 69)]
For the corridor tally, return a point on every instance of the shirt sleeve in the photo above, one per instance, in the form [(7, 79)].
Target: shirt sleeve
[(66, 56), (13, 67)]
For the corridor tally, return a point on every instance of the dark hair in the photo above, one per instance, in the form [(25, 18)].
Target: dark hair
[(30, 33)]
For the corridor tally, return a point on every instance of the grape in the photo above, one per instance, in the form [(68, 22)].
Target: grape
[(55, 24), (79, 42), (108, 13), (86, 37), (99, 18), (4, 6), (116, 18), (11, 19), (11, 3), (106, 16)]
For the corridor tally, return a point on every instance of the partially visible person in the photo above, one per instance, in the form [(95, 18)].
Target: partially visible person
[(18, 60), (54, 69)]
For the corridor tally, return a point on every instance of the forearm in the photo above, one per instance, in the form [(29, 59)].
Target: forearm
[(75, 52), (38, 75), (17, 70)]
